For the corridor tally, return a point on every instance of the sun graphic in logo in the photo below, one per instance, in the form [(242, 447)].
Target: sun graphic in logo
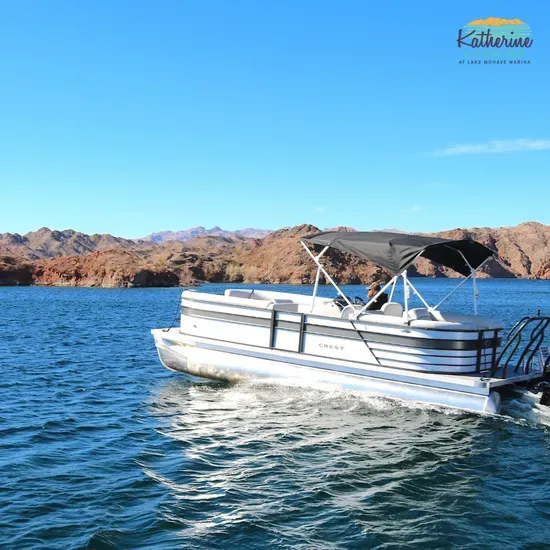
[(495, 22)]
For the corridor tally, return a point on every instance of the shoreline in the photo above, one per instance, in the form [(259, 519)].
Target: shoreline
[(202, 283)]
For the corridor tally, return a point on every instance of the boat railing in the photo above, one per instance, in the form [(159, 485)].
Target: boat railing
[(522, 344)]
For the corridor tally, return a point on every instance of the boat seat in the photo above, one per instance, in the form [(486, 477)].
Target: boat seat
[(248, 294), (420, 314), (378, 318), (479, 321), (327, 309), (348, 311), (393, 309), (259, 294), (422, 318), (225, 300), (282, 304), (288, 306)]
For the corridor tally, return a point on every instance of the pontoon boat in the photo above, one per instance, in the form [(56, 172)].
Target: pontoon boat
[(422, 354)]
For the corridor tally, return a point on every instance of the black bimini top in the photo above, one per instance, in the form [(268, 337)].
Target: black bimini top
[(395, 251)]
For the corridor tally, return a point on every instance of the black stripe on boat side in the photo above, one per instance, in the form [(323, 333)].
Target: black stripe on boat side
[(407, 341), (422, 365), (350, 334), (310, 356), (216, 303), (242, 319), (288, 325), (232, 317), (315, 316)]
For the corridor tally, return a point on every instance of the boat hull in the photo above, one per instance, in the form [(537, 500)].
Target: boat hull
[(208, 359)]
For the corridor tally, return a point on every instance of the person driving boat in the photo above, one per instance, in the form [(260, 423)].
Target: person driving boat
[(373, 290)]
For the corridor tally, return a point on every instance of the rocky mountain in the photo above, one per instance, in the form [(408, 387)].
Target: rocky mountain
[(110, 268), (170, 264), (14, 270), (47, 243), (523, 251), (200, 231)]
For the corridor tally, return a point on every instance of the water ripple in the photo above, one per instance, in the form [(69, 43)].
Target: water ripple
[(101, 448)]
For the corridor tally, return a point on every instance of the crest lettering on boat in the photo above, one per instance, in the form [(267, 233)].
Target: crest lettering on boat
[(331, 346)]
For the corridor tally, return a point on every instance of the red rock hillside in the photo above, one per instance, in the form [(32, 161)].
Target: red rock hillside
[(523, 251)]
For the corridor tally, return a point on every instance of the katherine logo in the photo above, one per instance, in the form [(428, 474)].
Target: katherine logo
[(495, 41)]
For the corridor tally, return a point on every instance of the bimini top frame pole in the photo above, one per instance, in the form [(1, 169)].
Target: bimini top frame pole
[(407, 284), (472, 275), (317, 276), (321, 269), (418, 294), (393, 281), (375, 297)]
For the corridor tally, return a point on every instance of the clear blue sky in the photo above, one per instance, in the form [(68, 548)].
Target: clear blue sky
[(128, 117)]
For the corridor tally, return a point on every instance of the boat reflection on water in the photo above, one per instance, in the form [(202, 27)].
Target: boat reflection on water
[(260, 461)]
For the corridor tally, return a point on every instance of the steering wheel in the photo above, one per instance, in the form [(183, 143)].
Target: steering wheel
[(358, 300)]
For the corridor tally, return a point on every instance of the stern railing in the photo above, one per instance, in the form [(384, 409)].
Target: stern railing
[(529, 332)]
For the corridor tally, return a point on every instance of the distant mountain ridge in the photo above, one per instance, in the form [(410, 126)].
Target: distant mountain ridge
[(70, 258), (48, 243), (186, 234)]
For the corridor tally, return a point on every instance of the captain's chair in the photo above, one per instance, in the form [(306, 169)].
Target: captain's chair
[(393, 309)]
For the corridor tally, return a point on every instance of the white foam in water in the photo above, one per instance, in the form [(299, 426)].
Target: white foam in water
[(527, 408), (319, 393), (295, 394), (524, 408)]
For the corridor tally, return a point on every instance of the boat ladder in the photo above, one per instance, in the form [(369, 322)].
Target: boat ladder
[(520, 351)]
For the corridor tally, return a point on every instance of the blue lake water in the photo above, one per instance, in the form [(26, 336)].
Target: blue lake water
[(101, 447)]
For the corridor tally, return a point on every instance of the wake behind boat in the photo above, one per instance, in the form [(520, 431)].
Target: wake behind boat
[(421, 354)]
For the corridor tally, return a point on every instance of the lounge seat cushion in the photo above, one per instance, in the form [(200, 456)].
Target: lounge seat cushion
[(479, 321), (393, 309), (420, 314)]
